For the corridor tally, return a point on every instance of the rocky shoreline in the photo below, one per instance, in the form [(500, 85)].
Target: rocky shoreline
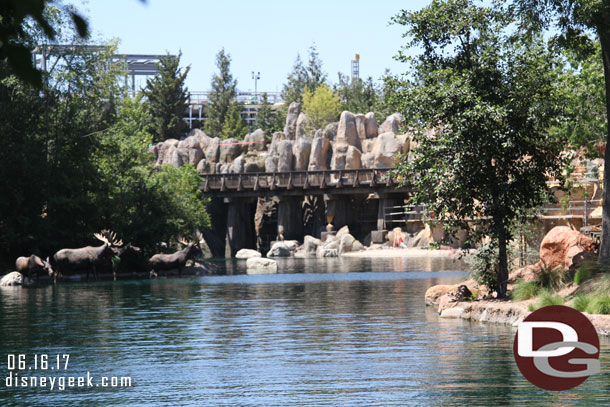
[(506, 313)]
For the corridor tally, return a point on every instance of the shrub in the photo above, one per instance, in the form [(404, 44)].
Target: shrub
[(551, 279), (599, 304), (525, 289), (581, 302), (586, 271), (546, 299)]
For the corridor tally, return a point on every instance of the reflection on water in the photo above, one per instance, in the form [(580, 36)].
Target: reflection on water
[(318, 337)]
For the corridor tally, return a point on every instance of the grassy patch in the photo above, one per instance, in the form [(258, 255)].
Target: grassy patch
[(581, 302), (599, 304), (586, 271), (553, 279), (524, 290), (546, 299)]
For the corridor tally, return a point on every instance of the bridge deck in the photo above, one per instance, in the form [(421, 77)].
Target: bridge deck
[(297, 183)]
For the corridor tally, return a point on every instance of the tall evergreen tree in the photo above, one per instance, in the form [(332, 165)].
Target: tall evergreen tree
[(264, 116), (234, 126), (356, 95), (221, 96), (167, 96), (310, 76)]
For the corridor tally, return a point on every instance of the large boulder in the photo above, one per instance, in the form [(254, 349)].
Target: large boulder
[(368, 160), (256, 140), (229, 150), (310, 245), (346, 243), (301, 151), (347, 131), (291, 120), (386, 150), (255, 162), (370, 124), (173, 157), (11, 279), (330, 131), (204, 167), (238, 165), (319, 156), (279, 249), (352, 158), (303, 125), (247, 253), (275, 140), (260, 265), (360, 126), (337, 161), (564, 247), (190, 151), (271, 163), (284, 162), (212, 150), (391, 124)]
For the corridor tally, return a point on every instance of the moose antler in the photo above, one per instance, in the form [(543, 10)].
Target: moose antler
[(199, 237), (182, 241), (108, 237)]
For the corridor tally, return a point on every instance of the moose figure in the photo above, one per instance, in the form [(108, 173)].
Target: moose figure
[(128, 255), (33, 264), (86, 257), (162, 262)]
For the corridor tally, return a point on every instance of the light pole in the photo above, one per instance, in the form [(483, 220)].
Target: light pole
[(256, 76)]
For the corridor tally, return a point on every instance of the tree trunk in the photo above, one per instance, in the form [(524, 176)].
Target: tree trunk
[(604, 250), (502, 259)]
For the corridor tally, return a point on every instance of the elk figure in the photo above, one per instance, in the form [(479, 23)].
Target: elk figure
[(128, 255), (85, 257), (33, 264), (161, 262)]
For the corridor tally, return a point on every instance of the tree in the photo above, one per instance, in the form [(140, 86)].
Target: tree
[(321, 107), (571, 22), (221, 96), (356, 95), (15, 29), (301, 77), (265, 117), (234, 126), (483, 99), (167, 96), (145, 205)]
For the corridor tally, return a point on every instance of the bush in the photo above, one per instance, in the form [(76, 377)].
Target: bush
[(586, 271), (581, 302), (525, 289), (546, 299), (484, 267), (599, 304), (551, 279)]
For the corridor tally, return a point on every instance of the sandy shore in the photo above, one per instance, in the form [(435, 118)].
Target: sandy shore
[(411, 252)]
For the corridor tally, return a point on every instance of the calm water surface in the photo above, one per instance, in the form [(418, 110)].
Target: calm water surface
[(314, 336)]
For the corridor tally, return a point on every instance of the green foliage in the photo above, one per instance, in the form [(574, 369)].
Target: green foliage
[(265, 116), (234, 126), (524, 290), (301, 77), (167, 96), (15, 19), (546, 298), (222, 96), (586, 271), (484, 266), (581, 302), (321, 107), (141, 204), (356, 95), (599, 304), (552, 279), (490, 96)]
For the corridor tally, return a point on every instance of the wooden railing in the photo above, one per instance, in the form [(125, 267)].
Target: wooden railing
[(369, 177)]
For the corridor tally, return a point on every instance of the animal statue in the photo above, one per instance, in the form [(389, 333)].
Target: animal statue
[(85, 257), (125, 257), (163, 262), (33, 264)]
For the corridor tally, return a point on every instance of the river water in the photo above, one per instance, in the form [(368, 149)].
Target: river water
[(336, 332)]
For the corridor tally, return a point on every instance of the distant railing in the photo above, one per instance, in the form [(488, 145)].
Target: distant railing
[(373, 177)]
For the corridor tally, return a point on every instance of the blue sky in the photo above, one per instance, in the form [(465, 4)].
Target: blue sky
[(260, 35)]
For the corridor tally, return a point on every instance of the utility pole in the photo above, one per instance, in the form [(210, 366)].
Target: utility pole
[(256, 76)]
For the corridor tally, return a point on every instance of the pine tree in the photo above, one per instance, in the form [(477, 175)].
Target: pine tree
[(221, 97), (234, 126), (167, 96), (264, 116), (310, 76)]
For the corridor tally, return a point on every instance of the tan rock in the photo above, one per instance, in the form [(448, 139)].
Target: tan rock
[(565, 247)]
